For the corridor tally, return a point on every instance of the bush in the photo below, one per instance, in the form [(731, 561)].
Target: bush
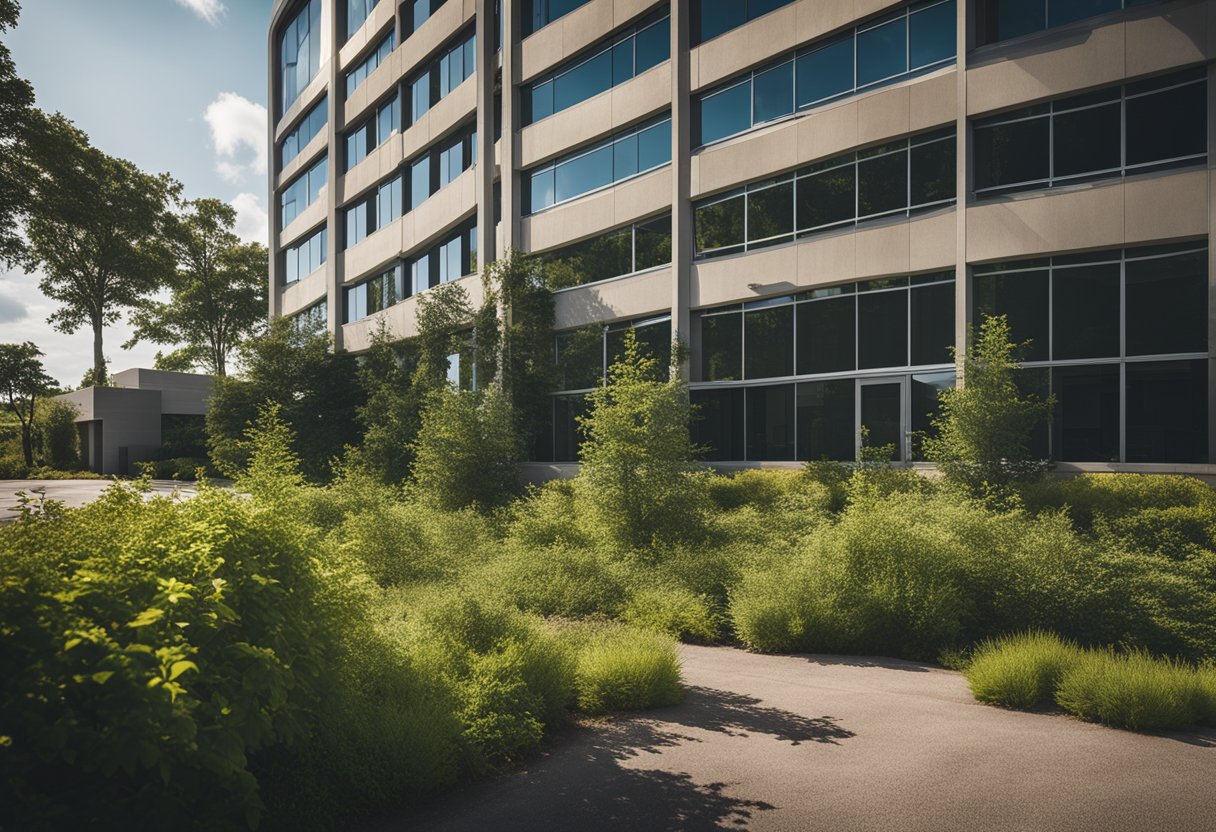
[(179, 468), (623, 669), (1020, 671), (55, 435), (675, 611), (13, 467), (1089, 496), (565, 581)]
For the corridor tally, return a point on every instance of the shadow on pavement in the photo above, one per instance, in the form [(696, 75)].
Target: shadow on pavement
[(600, 777), (869, 661)]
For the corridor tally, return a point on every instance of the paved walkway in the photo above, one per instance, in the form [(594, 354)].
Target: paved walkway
[(74, 493), (805, 743)]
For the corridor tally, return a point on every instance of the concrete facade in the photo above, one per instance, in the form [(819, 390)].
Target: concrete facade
[(1168, 206), (120, 425)]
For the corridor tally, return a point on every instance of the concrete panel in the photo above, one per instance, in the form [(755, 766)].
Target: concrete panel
[(401, 318), (378, 166), (304, 292), (181, 393), (446, 208), (1041, 223), (591, 214), (932, 241), (1166, 207), (933, 100), (883, 114), (610, 111), (310, 96), (565, 37), (305, 222), (1162, 41), (621, 298), (376, 87)]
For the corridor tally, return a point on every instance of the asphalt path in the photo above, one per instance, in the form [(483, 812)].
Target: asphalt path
[(844, 744), (74, 493)]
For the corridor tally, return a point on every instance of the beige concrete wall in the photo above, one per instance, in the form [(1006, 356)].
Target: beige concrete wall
[(400, 318), (622, 298), (378, 24), (595, 212), (625, 104), (305, 222), (310, 96), (304, 292), (571, 34)]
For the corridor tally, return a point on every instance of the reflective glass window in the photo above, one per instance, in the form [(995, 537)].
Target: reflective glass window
[(882, 51), (1012, 153), (726, 113), (717, 424), (584, 81), (931, 35), (770, 423), (357, 12), (653, 45), (827, 336), (768, 337), (541, 191), (773, 93), (299, 53), (1167, 125), (932, 172), (567, 435), (1085, 424), (720, 224), (580, 358), (625, 157), (1023, 299), (826, 418), (882, 330), (1167, 305), (420, 181), (718, 16), (584, 173), (1061, 12), (924, 397), (1167, 411), (827, 198), (825, 72), (654, 146), (932, 313), (1085, 312), (1087, 140), (722, 347), (882, 183), (770, 212), (652, 243)]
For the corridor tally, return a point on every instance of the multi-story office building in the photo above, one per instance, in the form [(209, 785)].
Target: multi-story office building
[(817, 196)]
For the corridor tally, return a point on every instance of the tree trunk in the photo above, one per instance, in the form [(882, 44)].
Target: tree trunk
[(27, 443), (99, 359)]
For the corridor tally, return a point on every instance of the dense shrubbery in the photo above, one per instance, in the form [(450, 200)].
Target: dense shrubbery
[(1127, 690)]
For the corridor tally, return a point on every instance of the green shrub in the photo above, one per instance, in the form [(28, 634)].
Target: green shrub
[(624, 669), (674, 610), (1179, 532), (1089, 496), (1133, 691), (402, 543), (181, 468), (55, 435), (563, 581), (13, 467), (546, 516), (1020, 671)]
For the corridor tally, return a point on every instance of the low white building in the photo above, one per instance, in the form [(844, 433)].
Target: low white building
[(121, 425)]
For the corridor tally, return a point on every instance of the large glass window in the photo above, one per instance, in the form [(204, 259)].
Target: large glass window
[(585, 356), (899, 177), (1102, 315), (374, 132), (768, 332), (1148, 125), (356, 13), (621, 157), (536, 14), (299, 53), (304, 132), (722, 346), (882, 326), (827, 339), (826, 420), (375, 295), (379, 55), (917, 38), (770, 422), (711, 18), (302, 192), (717, 424), (444, 74), (374, 211), (302, 259), (314, 319), (640, 49), (450, 260), (1003, 19), (622, 251), (417, 12)]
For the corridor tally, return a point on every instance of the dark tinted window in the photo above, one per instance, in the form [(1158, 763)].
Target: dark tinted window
[(726, 113), (1023, 299), (932, 323), (722, 347), (770, 212), (1086, 415), (1012, 153), (828, 197), (826, 72), (1087, 140), (717, 424), (882, 51), (925, 399), (1167, 125), (882, 184), (1167, 305), (769, 339), (932, 172), (1085, 312), (773, 92), (652, 241), (881, 412), (720, 224), (717, 16), (1167, 411), (567, 435), (931, 35), (826, 336), (580, 358), (882, 329), (770, 423), (826, 419), (1060, 12), (653, 45)]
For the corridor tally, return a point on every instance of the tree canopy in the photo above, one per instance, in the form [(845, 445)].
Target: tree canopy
[(22, 380), (16, 101)]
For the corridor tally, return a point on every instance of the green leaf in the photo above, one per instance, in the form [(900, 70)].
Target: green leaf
[(147, 617), (181, 667), (70, 643), (102, 676)]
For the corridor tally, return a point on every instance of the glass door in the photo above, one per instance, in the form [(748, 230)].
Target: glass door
[(880, 412)]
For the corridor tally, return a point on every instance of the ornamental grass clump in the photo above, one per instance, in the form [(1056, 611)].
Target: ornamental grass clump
[(624, 669), (1021, 671)]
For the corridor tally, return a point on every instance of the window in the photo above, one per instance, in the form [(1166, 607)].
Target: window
[(1003, 19), (768, 328), (896, 178), (711, 18), (722, 346), (379, 55), (1148, 125), (584, 356), (314, 319), (623, 251), (299, 53), (373, 132), (536, 14), (450, 260), (375, 295), (1129, 326), (305, 258), (825, 420), (621, 157), (356, 13), (827, 331), (770, 422), (308, 128), (718, 423), (440, 164), (302, 192), (642, 48), (917, 38), (374, 211), (444, 74), (417, 12)]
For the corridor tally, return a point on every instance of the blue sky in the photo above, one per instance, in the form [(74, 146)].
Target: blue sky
[(176, 86)]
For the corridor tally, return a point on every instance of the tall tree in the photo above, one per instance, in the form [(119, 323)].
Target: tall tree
[(16, 100), (218, 291), (98, 228), (22, 381)]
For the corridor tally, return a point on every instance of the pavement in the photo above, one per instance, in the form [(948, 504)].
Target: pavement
[(844, 744), (74, 493)]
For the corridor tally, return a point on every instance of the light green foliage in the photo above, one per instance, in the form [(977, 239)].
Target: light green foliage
[(567, 581), (1127, 690), (274, 467), (638, 483), (391, 414), (675, 610), (623, 669), (22, 383), (985, 424), (1020, 671), (1091, 497), (466, 454), (442, 313), (56, 436)]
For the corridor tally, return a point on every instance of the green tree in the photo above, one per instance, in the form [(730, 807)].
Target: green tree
[(466, 453), (639, 480), (56, 438), (390, 416), (22, 381), (92, 379), (218, 291), (98, 229), (16, 102), (443, 313), (985, 424)]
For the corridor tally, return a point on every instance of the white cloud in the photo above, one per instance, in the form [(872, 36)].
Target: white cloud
[(252, 221), (238, 134), (208, 10)]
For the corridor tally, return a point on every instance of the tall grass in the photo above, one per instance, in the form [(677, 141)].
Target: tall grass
[(1020, 671), (624, 669)]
